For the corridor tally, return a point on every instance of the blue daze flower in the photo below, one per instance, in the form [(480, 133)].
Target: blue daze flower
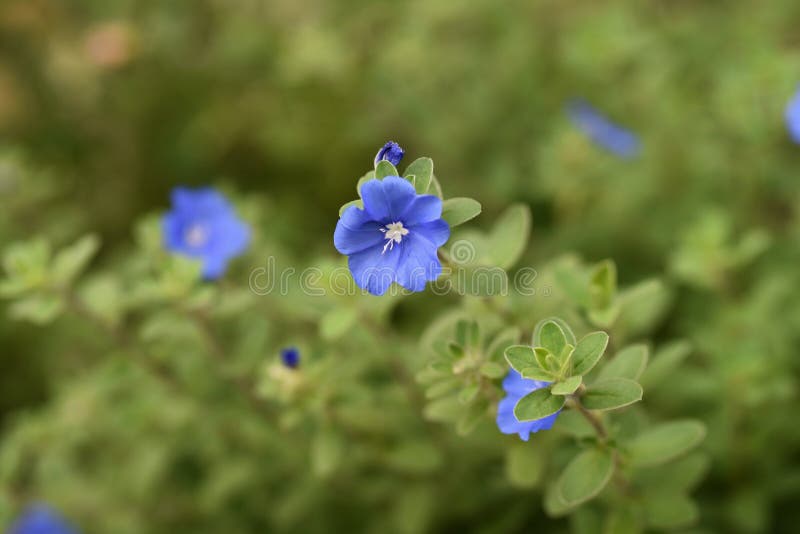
[(602, 131), (203, 224), (394, 238), (290, 357), (391, 152), (517, 387), (793, 117), (41, 519)]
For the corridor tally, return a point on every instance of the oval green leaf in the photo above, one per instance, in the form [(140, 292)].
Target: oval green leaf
[(612, 394)]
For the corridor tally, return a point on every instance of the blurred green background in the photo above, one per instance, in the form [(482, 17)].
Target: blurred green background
[(105, 105)]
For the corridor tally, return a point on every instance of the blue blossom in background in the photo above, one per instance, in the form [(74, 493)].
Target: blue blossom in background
[(203, 224), (517, 387), (290, 357), (793, 117), (41, 519), (602, 131), (391, 152), (394, 238)]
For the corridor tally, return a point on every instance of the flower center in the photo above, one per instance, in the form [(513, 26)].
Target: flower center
[(394, 233), (196, 236)]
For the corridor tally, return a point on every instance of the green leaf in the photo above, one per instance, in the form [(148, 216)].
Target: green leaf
[(337, 322), (384, 169), (622, 521), (471, 417), (443, 410), (38, 309), (357, 203), (602, 285), (520, 357), (493, 370), (443, 387), (669, 510), (422, 171), (666, 441), (630, 362), (541, 403), (468, 394), (524, 465), (588, 352), (549, 335), (459, 210), (70, 261), (611, 394), (664, 362), (327, 451), (585, 476), (642, 306), (567, 387), (509, 236), (537, 373)]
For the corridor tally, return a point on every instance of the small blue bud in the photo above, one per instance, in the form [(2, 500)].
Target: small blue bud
[(391, 152), (290, 357)]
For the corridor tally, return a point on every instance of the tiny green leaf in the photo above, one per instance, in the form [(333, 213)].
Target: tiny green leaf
[(537, 373), (520, 357), (568, 386), (384, 169), (493, 370), (548, 334), (509, 236), (336, 322), (585, 476), (524, 465), (541, 403), (630, 362), (588, 352), (422, 171), (664, 510), (611, 394), (459, 210), (70, 261), (602, 285), (665, 361), (666, 441)]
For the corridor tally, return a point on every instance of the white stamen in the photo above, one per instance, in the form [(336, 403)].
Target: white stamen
[(394, 234), (196, 236)]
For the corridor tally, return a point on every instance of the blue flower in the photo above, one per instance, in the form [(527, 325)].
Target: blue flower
[(391, 152), (602, 131), (793, 117), (203, 224), (41, 519), (517, 387), (290, 357), (394, 238)]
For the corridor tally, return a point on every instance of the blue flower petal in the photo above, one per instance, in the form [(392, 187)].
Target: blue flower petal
[(355, 232), (436, 232), (424, 208), (385, 200), (418, 263), (793, 117), (202, 224), (41, 519), (373, 270), (603, 131), (517, 387)]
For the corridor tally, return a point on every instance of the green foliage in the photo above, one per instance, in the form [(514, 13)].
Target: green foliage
[(144, 399)]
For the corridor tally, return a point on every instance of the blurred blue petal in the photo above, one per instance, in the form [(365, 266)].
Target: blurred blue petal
[(602, 131)]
